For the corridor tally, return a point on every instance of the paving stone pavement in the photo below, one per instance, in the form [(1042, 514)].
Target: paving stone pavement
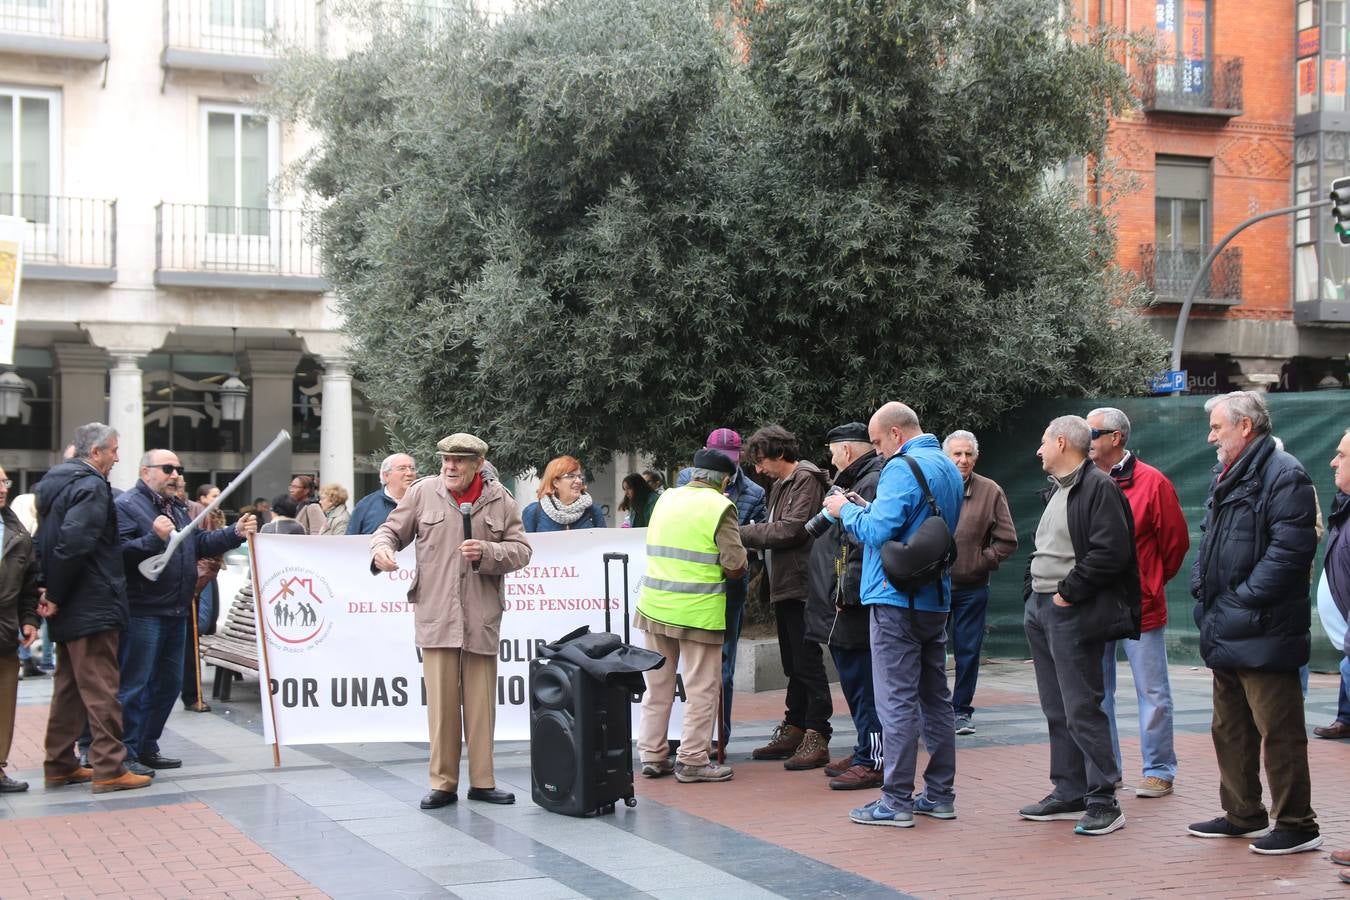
[(343, 821)]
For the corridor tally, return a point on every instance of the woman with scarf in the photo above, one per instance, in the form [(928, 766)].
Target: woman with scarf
[(563, 503)]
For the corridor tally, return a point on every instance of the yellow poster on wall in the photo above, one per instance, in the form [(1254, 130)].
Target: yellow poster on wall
[(11, 277)]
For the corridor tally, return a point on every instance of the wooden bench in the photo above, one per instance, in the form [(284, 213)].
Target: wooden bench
[(233, 649)]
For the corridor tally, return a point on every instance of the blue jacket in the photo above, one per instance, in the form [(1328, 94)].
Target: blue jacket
[(536, 519), (1337, 562), (370, 512), (172, 594), (748, 496), (897, 513)]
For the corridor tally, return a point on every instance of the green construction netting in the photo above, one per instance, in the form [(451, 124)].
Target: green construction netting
[(1168, 433)]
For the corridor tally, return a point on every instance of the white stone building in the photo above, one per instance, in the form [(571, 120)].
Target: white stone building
[(161, 256)]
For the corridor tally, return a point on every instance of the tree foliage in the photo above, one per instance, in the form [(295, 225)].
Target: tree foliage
[(611, 225)]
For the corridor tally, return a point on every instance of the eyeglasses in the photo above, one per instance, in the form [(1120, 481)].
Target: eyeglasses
[(168, 468), (573, 476), (1098, 432), (6, 483), (403, 468)]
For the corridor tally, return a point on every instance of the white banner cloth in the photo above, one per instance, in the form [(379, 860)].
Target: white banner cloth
[(343, 666)]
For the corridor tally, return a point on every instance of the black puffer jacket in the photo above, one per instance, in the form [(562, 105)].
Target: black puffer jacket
[(826, 623), (79, 553), (1103, 586), (1252, 571)]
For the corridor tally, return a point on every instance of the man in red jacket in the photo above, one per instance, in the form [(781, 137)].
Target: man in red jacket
[(1161, 541)]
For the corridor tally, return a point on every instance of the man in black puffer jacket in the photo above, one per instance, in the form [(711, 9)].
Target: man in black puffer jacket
[(835, 616), (1250, 581), (80, 562)]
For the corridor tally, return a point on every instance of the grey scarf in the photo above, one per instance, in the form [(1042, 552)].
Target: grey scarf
[(565, 514)]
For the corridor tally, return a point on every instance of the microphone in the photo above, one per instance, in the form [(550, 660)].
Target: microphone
[(465, 510)]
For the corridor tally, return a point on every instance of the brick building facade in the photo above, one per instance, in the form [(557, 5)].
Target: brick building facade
[(1214, 142)]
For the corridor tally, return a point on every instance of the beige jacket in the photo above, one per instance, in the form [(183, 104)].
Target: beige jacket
[(454, 606)]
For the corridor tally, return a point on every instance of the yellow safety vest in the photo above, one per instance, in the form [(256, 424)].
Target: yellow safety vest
[(684, 584)]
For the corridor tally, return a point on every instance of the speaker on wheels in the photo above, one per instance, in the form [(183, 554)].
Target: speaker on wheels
[(581, 732)]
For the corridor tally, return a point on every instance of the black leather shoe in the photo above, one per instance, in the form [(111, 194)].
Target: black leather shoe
[(10, 786), (136, 768), (491, 795), (155, 761), (437, 799)]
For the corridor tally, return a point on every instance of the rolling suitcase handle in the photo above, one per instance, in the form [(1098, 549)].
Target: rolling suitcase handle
[(609, 558)]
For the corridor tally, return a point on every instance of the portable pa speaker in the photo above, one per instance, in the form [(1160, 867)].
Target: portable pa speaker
[(581, 732)]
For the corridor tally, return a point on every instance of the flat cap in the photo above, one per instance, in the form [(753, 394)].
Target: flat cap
[(714, 461), (853, 431), (461, 444)]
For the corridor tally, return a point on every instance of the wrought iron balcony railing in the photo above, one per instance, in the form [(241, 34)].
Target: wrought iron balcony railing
[(1168, 274), (74, 29), (198, 245), (1210, 86), (242, 36), (66, 238)]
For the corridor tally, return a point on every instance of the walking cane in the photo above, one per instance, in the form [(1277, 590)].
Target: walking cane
[(721, 727), (196, 653)]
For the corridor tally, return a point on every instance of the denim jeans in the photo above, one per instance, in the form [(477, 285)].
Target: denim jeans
[(969, 606), (1343, 700), (151, 660), (1148, 663), (736, 593), (909, 680), (48, 651)]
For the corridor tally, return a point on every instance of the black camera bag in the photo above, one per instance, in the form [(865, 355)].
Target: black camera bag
[(929, 553)]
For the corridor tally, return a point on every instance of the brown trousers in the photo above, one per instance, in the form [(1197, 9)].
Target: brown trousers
[(84, 689), (1251, 707), (461, 703), (9, 700)]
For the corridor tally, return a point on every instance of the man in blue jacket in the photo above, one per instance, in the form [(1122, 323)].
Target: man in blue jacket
[(397, 473), (909, 629), (151, 654)]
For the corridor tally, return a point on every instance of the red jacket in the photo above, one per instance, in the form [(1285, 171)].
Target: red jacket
[(1161, 536)]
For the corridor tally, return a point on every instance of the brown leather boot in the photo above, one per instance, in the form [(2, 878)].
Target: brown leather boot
[(813, 752), (127, 781), (856, 779), (839, 766), (782, 743)]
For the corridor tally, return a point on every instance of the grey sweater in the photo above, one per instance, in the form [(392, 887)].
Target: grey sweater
[(1053, 557)]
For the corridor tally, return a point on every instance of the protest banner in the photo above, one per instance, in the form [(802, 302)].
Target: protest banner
[(339, 654), (11, 278)]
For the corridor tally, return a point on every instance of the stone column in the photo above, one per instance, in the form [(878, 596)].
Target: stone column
[(271, 382), (336, 463), (82, 380), (127, 344), (126, 413)]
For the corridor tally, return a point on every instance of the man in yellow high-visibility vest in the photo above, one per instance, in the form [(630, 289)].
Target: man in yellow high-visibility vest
[(693, 547)]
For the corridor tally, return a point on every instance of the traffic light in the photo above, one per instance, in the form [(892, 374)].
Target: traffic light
[(1340, 208)]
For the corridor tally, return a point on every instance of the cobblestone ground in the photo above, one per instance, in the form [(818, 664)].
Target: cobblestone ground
[(342, 821)]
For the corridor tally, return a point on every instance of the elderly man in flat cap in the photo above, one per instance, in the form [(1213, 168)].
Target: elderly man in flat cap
[(457, 608)]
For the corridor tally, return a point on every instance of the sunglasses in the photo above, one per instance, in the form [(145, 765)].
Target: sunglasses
[(1098, 432), (168, 468)]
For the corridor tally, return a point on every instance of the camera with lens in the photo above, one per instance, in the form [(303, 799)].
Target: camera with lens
[(821, 521)]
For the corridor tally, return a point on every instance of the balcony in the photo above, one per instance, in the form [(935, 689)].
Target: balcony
[(65, 29), (263, 249), (1169, 273), (1204, 87), (66, 238), (238, 36)]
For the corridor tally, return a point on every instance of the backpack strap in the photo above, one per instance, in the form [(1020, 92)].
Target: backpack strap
[(934, 510)]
